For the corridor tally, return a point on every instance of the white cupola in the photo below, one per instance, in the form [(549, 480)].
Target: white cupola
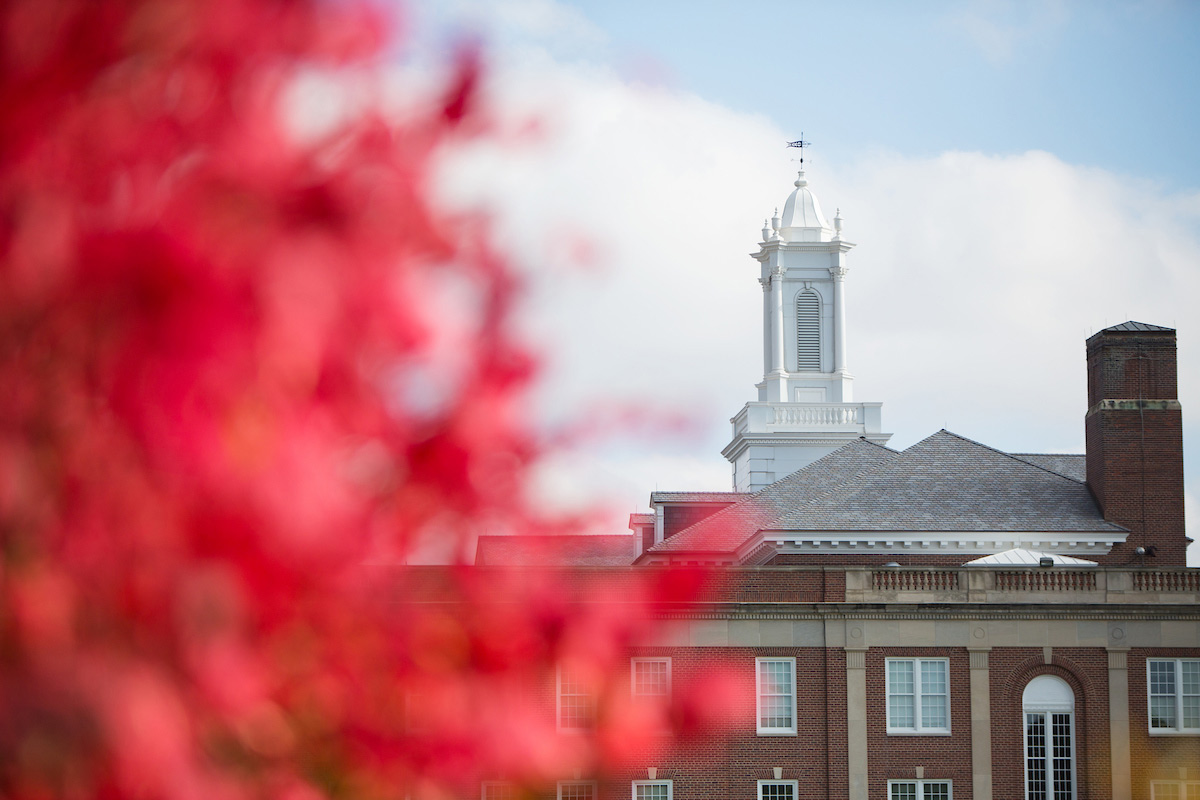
[(802, 220), (805, 407)]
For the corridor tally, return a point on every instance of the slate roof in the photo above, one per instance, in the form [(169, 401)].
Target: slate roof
[(943, 483), (697, 497), (1070, 465), (541, 551), (1138, 327)]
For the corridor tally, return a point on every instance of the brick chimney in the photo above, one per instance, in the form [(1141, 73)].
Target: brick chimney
[(1134, 432)]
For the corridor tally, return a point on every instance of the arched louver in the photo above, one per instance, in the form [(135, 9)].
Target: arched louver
[(808, 333)]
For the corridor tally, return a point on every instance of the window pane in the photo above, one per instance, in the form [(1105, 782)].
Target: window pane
[(933, 712), (1190, 689), (576, 791), (901, 702), (650, 678), (902, 712), (1191, 676), (651, 791), (1162, 678), (776, 677), (904, 791), (1035, 757), (1061, 743), (775, 694), (900, 677), (575, 703), (777, 791), (936, 791), (933, 677), (1160, 790), (1162, 712)]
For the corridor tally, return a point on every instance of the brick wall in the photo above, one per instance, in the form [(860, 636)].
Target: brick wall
[(1085, 669), (1159, 756), (943, 757), (1135, 454)]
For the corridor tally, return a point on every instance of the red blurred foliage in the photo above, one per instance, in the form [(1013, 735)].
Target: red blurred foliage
[(216, 362)]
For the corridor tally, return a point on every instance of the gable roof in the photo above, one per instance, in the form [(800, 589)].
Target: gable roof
[(943, 483), (538, 551), (728, 528), (1020, 557)]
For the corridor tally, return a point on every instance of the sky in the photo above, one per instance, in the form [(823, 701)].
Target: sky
[(1016, 176)]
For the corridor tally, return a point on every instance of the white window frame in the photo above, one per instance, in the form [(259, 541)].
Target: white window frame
[(921, 783), (916, 729), (1177, 729), (1187, 789), (668, 783), (558, 705), (1046, 696), (633, 686), (561, 784), (758, 696), (794, 784), (485, 785)]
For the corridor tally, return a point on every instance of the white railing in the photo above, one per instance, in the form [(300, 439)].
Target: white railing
[(815, 414), (1023, 585)]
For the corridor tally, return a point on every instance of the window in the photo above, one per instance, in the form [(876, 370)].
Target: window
[(576, 790), (777, 790), (650, 678), (499, 790), (652, 790), (1174, 790), (918, 695), (919, 790), (576, 706), (1174, 691), (1049, 706), (808, 332), (776, 696)]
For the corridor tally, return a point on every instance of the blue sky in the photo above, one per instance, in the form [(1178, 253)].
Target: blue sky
[(1107, 84), (1017, 176)]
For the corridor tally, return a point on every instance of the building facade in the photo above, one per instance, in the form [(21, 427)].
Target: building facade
[(947, 622)]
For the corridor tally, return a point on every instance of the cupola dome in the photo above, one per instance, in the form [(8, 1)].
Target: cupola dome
[(802, 220)]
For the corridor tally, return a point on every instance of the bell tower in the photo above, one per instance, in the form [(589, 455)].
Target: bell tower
[(805, 407)]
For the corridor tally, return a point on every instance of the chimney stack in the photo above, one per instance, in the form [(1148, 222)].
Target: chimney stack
[(1134, 433)]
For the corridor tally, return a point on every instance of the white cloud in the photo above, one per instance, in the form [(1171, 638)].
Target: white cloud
[(976, 280)]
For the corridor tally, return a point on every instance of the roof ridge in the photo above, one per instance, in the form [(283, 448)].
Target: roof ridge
[(1000, 452)]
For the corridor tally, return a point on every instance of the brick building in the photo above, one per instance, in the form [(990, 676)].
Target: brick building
[(946, 622)]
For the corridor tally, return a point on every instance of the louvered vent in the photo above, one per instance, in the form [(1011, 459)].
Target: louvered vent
[(808, 333)]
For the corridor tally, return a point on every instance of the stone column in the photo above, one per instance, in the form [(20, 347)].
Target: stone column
[(856, 722), (981, 725), (1118, 722), (839, 318), (768, 316), (777, 321)]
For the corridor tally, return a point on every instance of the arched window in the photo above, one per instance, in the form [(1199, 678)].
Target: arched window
[(808, 332), (1049, 706)]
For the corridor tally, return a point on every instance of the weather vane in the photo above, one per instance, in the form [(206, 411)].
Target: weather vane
[(800, 144)]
